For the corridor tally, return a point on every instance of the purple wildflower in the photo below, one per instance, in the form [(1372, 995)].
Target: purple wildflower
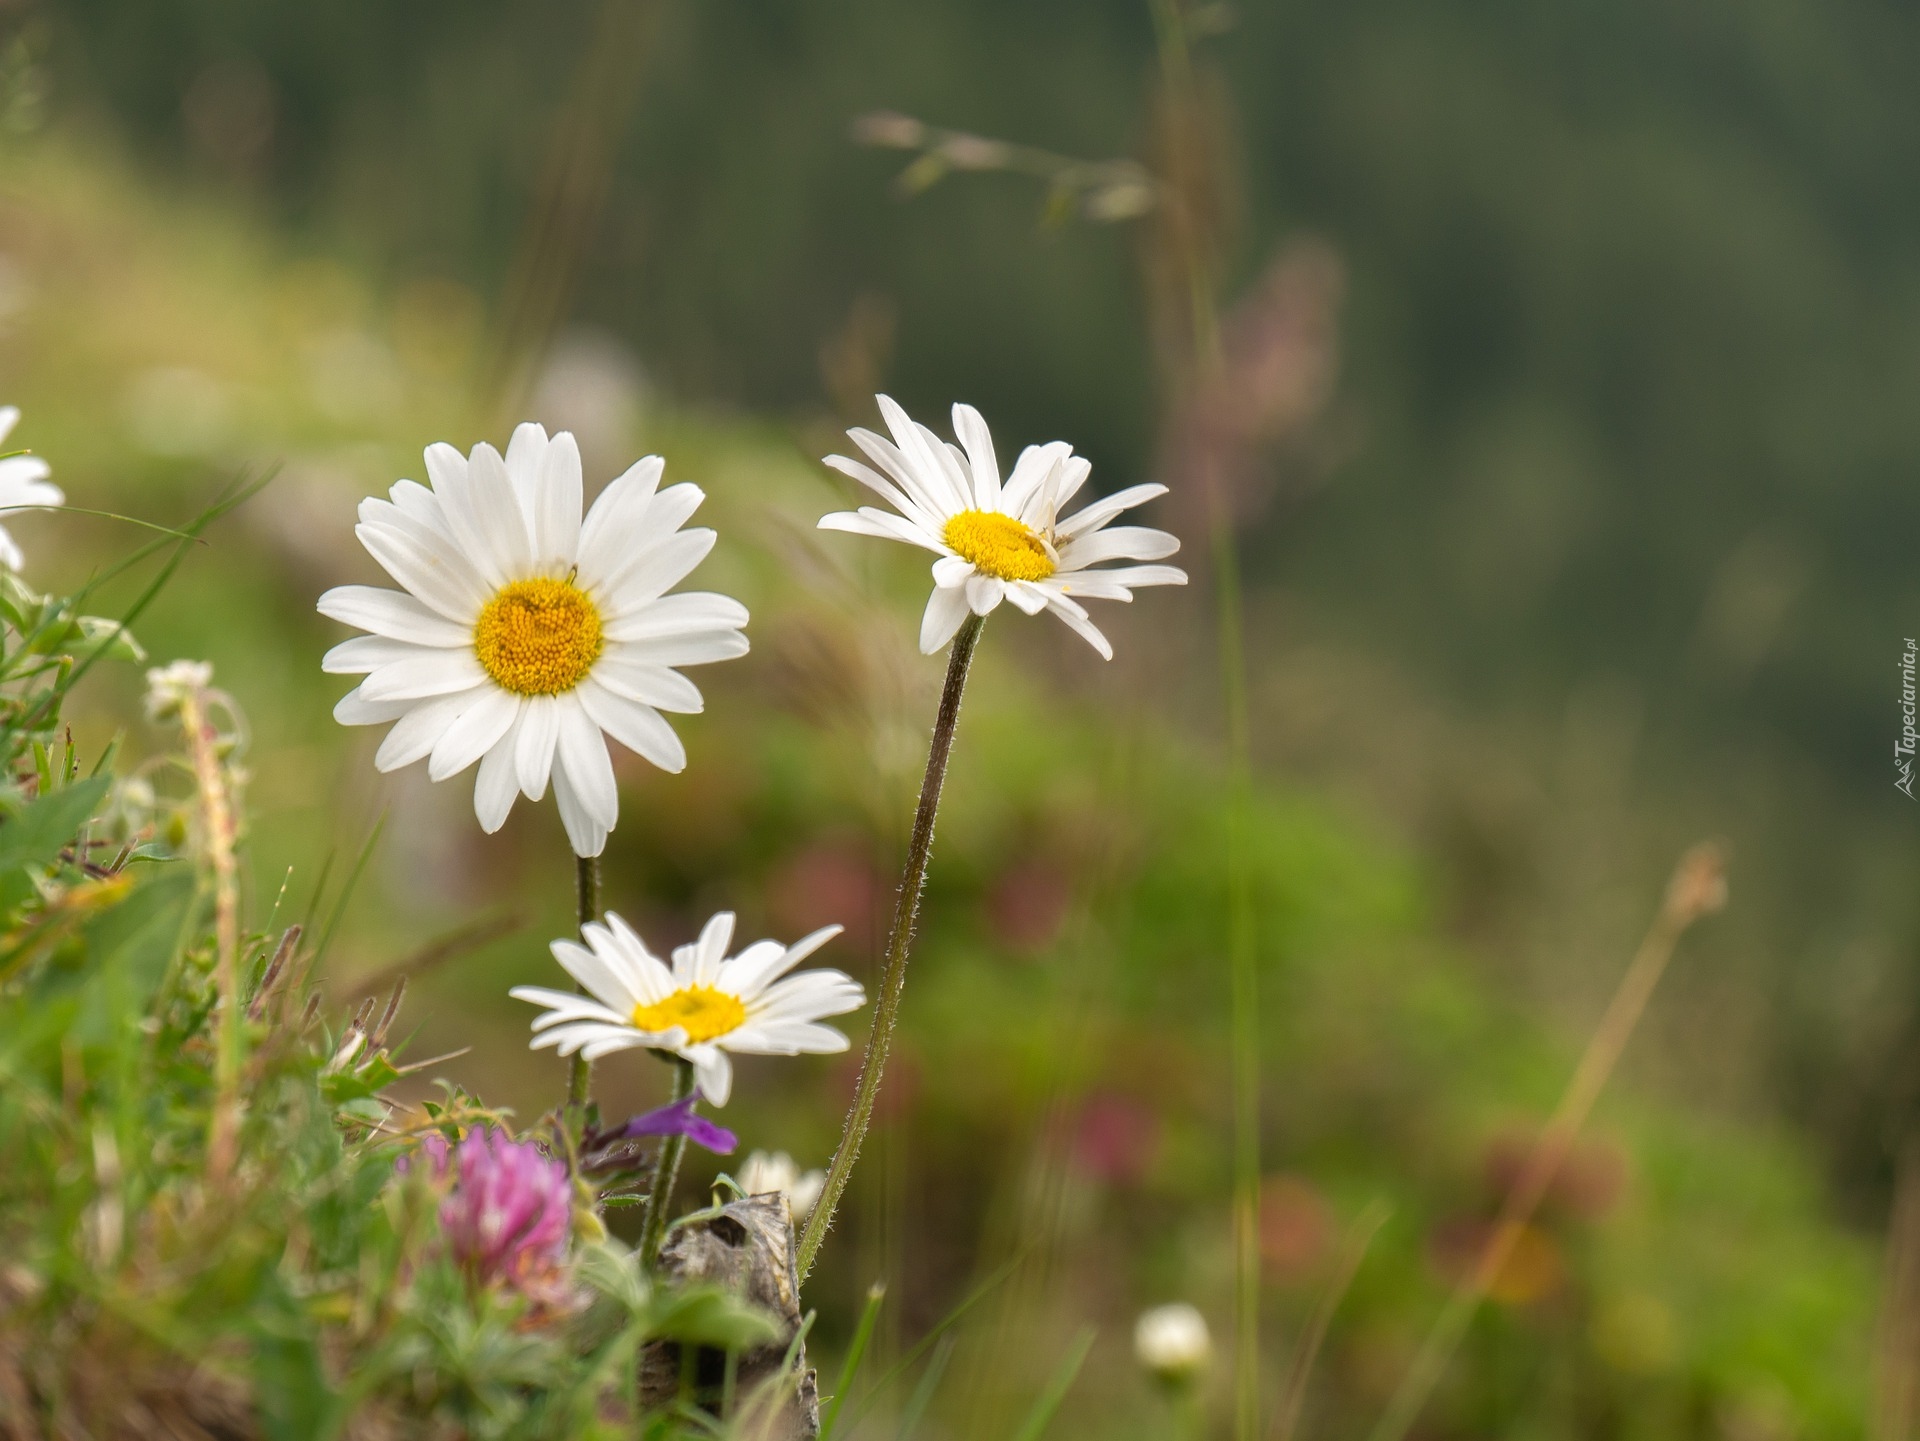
[(679, 1119)]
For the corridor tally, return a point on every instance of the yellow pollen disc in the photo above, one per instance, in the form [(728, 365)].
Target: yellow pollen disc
[(538, 637), (998, 545), (701, 1011)]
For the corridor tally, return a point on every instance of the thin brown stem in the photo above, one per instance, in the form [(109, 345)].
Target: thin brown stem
[(586, 876), (1698, 888), (893, 974)]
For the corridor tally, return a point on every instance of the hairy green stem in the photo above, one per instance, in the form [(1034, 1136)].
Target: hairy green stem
[(586, 879), (893, 974), (665, 1172)]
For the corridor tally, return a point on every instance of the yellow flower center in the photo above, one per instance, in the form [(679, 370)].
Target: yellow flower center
[(701, 1011), (998, 545), (538, 637)]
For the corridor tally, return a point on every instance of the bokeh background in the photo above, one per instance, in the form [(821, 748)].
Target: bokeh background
[(1568, 426)]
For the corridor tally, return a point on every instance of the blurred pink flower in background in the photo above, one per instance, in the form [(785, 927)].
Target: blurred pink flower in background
[(1116, 1138), (1296, 1225), (509, 1213), (832, 880), (1028, 904)]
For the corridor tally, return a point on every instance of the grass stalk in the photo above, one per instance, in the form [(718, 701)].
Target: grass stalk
[(665, 1173), (1191, 238), (222, 834), (893, 975), (1698, 888)]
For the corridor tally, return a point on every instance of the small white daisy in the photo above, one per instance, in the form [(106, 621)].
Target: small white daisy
[(765, 1173), (1000, 541), (23, 486), (701, 1008), (524, 634)]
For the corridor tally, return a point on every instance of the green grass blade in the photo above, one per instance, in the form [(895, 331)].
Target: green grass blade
[(929, 1383), (856, 1353), (1055, 1391)]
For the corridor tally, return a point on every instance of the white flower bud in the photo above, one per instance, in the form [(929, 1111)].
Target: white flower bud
[(1172, 1342)]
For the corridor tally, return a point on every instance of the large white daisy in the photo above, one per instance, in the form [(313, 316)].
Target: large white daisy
[(23, 486), (1000, 541), (701, 1008), (524, 634)]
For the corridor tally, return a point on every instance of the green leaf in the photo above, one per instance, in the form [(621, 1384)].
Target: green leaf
[(35, 836), (708, 1316), (369, 1078), (1056, 1388)]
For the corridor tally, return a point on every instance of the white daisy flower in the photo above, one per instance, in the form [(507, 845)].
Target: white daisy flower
[(765, 1173), (524, 634), (1000, 541), (701, 1008), (23, 486)]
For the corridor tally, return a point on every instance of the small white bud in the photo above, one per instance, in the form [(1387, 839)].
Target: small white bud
[(1172, 1342), (169, 685)]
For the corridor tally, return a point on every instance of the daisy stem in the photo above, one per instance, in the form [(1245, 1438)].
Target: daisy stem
[(665, 1173), (580, 1078), (893, 975)]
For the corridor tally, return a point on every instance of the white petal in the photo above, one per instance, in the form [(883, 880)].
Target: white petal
[(1118, 582), (391, 613), (425, 673), (971, 427), (525, 452), (945, 610), (585, 834), (429, 567), (600, 968), (877, 523), (366, 653), (1101, 511), (533, 751), (712, 1073), (557, 503), (497, 786), (1077, 622), (646, 973), (473, 733), (651, 573), (354, 709), (417, 504), (884, 488), (447, 471), (640, 728), (1031, 474), (501, 525), (617, 516), (711, 948), (564, 1006), (750, 972), (984, 592), (653, 685), (786, 1038), (583, 759), (9, 417), (672, 615), (416, 733), (1028, 596), (1120, 542), (693, 648), (952, 570)]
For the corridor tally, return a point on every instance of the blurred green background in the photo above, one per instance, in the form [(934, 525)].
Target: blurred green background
[(1572, 354)]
